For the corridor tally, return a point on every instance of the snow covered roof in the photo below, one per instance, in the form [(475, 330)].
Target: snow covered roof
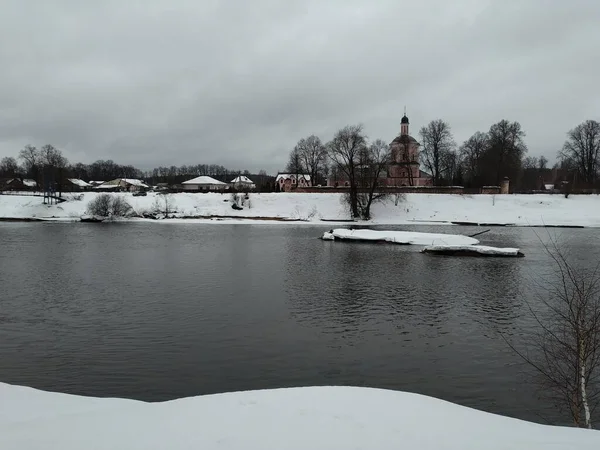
[(29, 183), (26, 182), (119, 181), (134, 182), (242, 179), (285, 176), (204, 180), (78, 182)]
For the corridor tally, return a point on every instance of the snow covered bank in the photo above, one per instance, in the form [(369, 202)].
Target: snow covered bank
[(526, 210), (296, 418), (472, 249), (400, 237)]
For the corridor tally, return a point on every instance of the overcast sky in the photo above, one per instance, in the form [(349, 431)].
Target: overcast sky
[(237, 83)]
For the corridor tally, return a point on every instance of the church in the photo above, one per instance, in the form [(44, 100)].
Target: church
[(404, 168)]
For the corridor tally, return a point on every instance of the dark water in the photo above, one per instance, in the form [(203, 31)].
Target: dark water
[(158, 311)]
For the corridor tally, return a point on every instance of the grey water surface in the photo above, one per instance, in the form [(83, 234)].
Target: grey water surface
[(156, 311)]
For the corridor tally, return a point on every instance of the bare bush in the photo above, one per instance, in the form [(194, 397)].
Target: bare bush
[(100, 206), (120, 207), (566, 345), (109, 206), (164, 204)]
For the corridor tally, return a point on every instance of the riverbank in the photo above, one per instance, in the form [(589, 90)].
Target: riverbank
[(294, 418), (515, 210)]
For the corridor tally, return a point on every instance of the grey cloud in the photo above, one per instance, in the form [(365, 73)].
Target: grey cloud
[(238, 83)]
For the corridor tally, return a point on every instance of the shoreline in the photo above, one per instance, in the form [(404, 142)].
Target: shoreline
[(327, 209), (259, 220)]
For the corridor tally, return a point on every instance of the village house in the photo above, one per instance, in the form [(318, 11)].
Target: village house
[(242, 183), (75, 184), (285, 182), (19, 184), (123, 184), (204, 183)]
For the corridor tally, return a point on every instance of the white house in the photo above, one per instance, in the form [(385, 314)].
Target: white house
[(287, 181), (204, 183), (242, 182)]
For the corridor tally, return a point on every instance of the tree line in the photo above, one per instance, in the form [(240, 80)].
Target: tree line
[(49, 162), (483, 159)]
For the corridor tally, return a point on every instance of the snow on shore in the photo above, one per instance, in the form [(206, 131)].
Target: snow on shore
[(400, 237), (527, 210), (296, 418)]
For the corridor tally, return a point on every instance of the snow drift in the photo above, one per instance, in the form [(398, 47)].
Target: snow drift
[(399, 237), (295, 418), (469, 249)]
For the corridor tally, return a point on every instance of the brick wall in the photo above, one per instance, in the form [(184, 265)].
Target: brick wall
[(412, 190)]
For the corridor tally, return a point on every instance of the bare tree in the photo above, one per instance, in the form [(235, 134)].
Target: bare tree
[(31, 160), (583, 148), (530, 162), (313, 157), (8, 167), (437, 143), (373, 164), (567, 341), (542, 162), (472, 152), (505, 151), (295, 164), (345, 151), (52, 157)]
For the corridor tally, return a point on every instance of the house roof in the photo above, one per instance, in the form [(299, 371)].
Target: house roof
[(78, 182), (285, 176), (423, 174), (116, 182), (204, 180), (242, 179), (26, 182)]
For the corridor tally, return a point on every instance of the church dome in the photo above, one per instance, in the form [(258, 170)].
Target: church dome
[(402, 140), (404, 119)]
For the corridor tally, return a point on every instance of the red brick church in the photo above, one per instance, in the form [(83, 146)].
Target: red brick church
[(404, 168)]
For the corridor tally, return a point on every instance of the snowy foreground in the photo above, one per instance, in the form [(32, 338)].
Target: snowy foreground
[(400, 237), (527, 210), (297, 418)]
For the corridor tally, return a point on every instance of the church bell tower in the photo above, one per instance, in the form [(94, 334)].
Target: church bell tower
[(404, 125)]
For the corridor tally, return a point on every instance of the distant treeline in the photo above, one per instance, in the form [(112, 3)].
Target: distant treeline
[(48, 162)]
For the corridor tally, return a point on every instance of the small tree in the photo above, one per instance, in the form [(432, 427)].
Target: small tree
[(567, 342)]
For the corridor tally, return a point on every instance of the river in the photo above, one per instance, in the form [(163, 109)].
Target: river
[(156, 311)]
